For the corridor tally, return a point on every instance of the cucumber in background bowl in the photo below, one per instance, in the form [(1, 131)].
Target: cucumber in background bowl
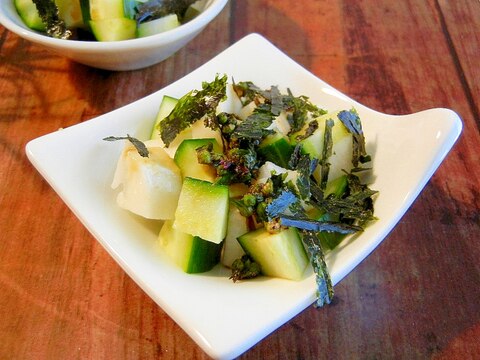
[(130, 54)]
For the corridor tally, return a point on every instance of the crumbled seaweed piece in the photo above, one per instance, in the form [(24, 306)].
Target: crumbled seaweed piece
[(311, 128), (317, 258), (48, 12), (255, 126), (305, 167), (139, 145), (298, 109), (326, 153), (280, 204), (315, 225), (193, 106), (154, 9), (352, 122)]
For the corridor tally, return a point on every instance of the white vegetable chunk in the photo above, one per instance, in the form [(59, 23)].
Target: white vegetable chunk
[(237, 226), (150, 185), (266, 170)]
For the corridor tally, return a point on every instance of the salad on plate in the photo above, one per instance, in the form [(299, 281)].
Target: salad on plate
[(261, 181)]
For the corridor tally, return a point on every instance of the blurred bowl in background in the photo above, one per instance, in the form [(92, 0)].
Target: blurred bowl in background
[(115, 55)]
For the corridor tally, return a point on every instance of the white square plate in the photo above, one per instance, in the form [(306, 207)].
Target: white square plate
[(79, 165)]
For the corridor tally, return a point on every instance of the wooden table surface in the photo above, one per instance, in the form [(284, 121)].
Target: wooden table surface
[(417, 296)]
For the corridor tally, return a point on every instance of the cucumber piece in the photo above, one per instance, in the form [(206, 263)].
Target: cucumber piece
[(337, 187), (203, 210), (200, 131), (101, 10), (186, 159), (191, 253), (313, 144), (158, 25), (193, 10), (71, 13), (277, 149), (130, 8), (166, 106), (29, 14), (237, 226), (341, 158), (279, 254), (114, 29), (330, 240)]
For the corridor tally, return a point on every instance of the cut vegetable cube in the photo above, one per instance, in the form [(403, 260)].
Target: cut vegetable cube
[(102, 9), (71, 13), (115, 29), (158, 25), (194, 10), (277, 149), (191, 253), (150, 185), (342, 148), (203, 210), (279, 254), (166, 106), (237, 226), (187, 160), (29, 14)]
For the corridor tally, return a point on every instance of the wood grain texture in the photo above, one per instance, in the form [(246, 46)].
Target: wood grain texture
[(415, 297)]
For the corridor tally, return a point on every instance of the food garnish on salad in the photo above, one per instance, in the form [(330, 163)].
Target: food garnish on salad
[(261, 181)]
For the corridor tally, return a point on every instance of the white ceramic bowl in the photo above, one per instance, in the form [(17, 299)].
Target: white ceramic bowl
[(119, 55)]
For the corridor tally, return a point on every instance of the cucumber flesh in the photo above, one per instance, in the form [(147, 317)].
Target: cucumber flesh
[(71, 13), (191, 253), (341, 158), (330, 240), (279, 254), (157, 26), (187, 160), (237, 226), (193, 10), (203, 210), (29, 14), (166, 106), (104, 9), (277, 149), (114, 29)]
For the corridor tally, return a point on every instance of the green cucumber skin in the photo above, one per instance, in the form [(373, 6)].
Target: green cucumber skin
[(158, 26), (330, 240), (166, 106), (279, 254), (85, 6), (207, 199), (190, 253), (204, 255), (277, 151), (186, 159), (29, 14)]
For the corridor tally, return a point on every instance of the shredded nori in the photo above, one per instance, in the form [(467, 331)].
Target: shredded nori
[(48, 12), (139, 145), (317, 259)]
